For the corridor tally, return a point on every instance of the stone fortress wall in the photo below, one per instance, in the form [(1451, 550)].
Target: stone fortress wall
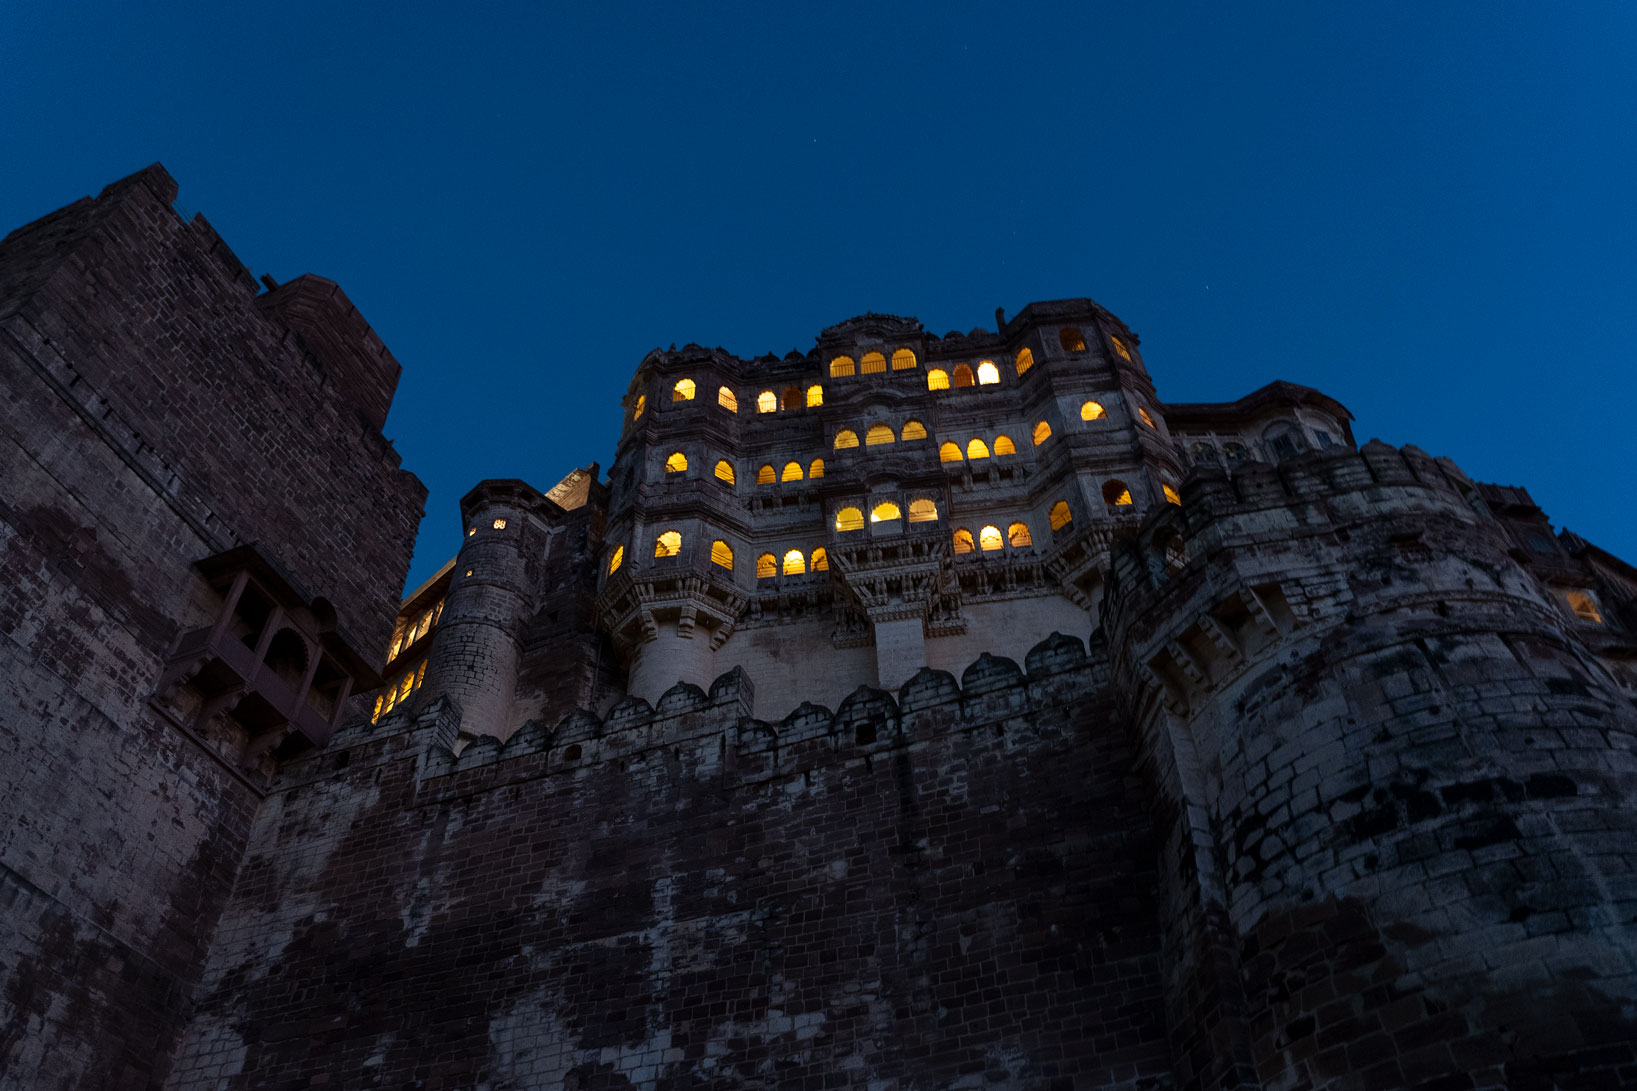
[(1273, 762)]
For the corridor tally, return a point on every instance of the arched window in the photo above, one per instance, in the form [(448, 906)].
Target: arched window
[(1025, 361), (913, 429), (722, 554), (1143, 414), (1283, 439), (791, 472), (727, 399), (849, 519), (963, 376), (1042, 433), (949, 452), (641, 404), (1119, 347), (794, 563), (841, 366), (724, 471), (989, 539), (1060, 515), (903, 360), (937, 379), (846, 438), (1584, 607), (923, 511), (767, 402), (1092, 411), (1070, 339), (988, 373), (1171, 494), (1235, 453), (1202, 453), (1018, 535), (668, 544), (885, 512), (963, 540), (794, 398), (976, 448), (879, 434), (816, 469), (676, 463), (815, 395), (617, 559), (873, 364), (682, 391), (1004, 445), (821, 560), (1116, 494), (766, 565), (765, 475)]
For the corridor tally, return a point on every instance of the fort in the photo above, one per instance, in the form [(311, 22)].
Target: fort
[(915, 712)]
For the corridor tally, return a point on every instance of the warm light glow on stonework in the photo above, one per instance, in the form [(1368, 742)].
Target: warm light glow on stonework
[(989, 539), (794, 563), (668, 544), (988, 373), (923, 511), (676, 463), (766, 565), (963, 540), (767, 402), (1018, 535), (682, 391), (727, 399)]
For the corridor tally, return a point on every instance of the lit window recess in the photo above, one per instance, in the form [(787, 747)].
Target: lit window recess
[(1119, 347), (816, 469), (1060, 515), (722, 554), (879, 434), (724, 471), (1005, 446), (963, 376), (791, 472), (923, 511), (949, 452), (913, 429), (727, 399), (1025, 361), (849, 519), (846, 438), (1092, 411), (794, 563), (1042, 432), (885, 512), (821, 560), (766, 475), (1171, 494), (668, 544), (815, 395), (1585, 607), (1116, 494), (963, 540), (641, 404), (682, 391), (767, 566), (1146, 419), (399, 692), (767, 402), (937, 379), (676, 462), (1017, 535), (613, 561), (903, 360), (988, 374), (976, 448), (500, 524), (1071, 340), (989, 539), (841, 367), (873, 364)]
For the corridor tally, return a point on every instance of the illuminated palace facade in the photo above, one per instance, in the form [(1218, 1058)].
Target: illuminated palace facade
[(914, 713)]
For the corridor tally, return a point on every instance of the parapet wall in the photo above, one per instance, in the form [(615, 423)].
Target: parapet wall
[(948, 887)]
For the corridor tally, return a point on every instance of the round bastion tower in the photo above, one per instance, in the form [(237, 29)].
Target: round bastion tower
[(474, 658), (1393, 784)]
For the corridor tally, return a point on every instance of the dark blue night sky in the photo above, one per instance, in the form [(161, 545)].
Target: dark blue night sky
[(1427, 210)]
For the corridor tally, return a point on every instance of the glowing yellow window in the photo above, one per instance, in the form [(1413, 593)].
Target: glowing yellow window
[(1018, 535), (821, 560), (872, 364), (676, 463), (988, 373), (668, 544), (885, 512), (1170, 493), (1025, 361), (765, 475), (949, 452), (724, 471), (376, 715), (1070, 339), (989, 539), (794, 563), (767, 402), (1004, 445), (791, 472), (841, 366), (616, 560), (682, 391), (937, 379), (722, 554), (815, 395), (816, 469), (1042, 433), (879, 434), (849, 519), (1146, 419), (963, 376), (766, 565), (903, 360), (642, 403), (1119, 347), (1116, 494), (727, 399), (976, 448), (1092, 411), (963, 540), (471, 531), (1060, 515), (500, 524), (846, 438), (1584, 607), (923, 511), (913, 429)]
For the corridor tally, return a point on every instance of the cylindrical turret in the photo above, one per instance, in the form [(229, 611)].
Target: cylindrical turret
[(1416, 785), (474, 656)]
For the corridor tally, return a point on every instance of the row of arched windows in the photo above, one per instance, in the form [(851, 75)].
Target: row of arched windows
[(878, 434), (986, 373), (990, 538), (921, 510), (677, 462), (794, 563)]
